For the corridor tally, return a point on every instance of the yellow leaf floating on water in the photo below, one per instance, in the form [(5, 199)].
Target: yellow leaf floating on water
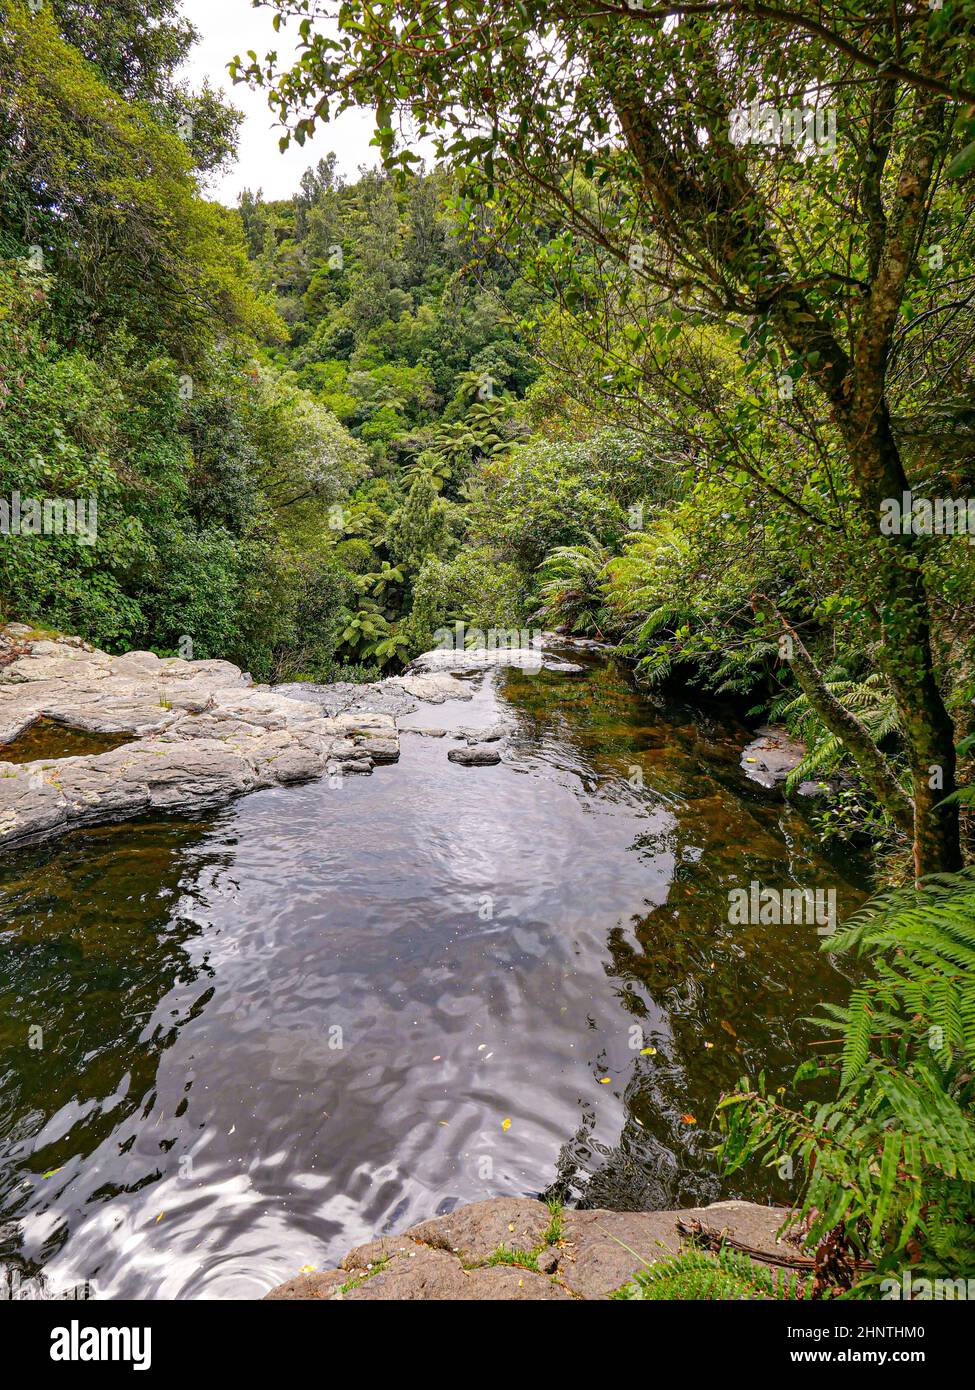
[(160, 1217), (505, 1124), (50, 1172), (604, 1080), (648, 1052), (307, 1269), (689, 1119)]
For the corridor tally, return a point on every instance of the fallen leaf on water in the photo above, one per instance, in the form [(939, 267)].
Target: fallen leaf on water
[(689, 1119), (50, 1172), (505, 1124), (307, 1269), (605, 1080), (160, 1217), (648, 1052), (728, 1028)]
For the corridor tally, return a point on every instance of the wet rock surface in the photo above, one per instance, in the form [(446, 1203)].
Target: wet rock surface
[(466, 661), (394, 697), (467, 1253), (476, 755), (771, 756), (201, 732)]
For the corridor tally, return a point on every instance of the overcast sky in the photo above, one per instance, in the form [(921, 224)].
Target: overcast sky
[(228, 27)]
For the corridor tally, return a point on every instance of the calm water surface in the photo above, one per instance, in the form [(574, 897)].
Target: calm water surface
[(269, 1036)]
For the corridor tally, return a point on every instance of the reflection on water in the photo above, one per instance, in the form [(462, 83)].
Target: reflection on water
[(48, 739), (231, 1050)]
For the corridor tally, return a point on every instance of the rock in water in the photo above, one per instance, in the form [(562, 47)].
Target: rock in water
[(771, 756), (476, 755), (201, 733)]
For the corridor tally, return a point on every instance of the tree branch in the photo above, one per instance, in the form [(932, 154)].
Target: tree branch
[(843, 724)]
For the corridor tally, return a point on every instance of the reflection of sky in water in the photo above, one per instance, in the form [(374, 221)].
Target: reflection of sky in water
[(491, 944)]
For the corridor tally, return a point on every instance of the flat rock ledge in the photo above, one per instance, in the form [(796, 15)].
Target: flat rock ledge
[(202, 732), (467, 1254)]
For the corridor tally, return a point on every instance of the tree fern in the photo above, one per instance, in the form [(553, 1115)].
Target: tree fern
[(571, 591)]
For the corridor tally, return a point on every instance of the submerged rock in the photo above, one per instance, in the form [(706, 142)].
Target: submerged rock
[(563, 668), (476, 755), (771, 756)]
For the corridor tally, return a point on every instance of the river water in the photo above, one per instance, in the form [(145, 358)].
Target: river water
[(231, 1050)]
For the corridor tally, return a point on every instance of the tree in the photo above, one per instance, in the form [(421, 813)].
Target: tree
[(138, 47), (107, 199), (632, 129), (420, 527)]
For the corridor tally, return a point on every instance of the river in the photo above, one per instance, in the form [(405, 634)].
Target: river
[(231, 1050)]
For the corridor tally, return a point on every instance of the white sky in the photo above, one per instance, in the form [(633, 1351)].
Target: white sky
[(228, 27)]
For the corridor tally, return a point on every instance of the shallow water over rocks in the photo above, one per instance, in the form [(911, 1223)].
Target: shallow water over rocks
[(267, 1037)]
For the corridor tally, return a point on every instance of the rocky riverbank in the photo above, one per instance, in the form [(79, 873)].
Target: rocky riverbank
[(201, 732), (192, 735), (517, 1248)]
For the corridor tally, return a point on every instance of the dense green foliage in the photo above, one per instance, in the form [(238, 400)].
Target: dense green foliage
[(752, 231), (424, 366), (129, 320), (890, 1159), (324, 428)]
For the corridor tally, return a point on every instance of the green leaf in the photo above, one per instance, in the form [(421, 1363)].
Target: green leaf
[(963, 163)]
